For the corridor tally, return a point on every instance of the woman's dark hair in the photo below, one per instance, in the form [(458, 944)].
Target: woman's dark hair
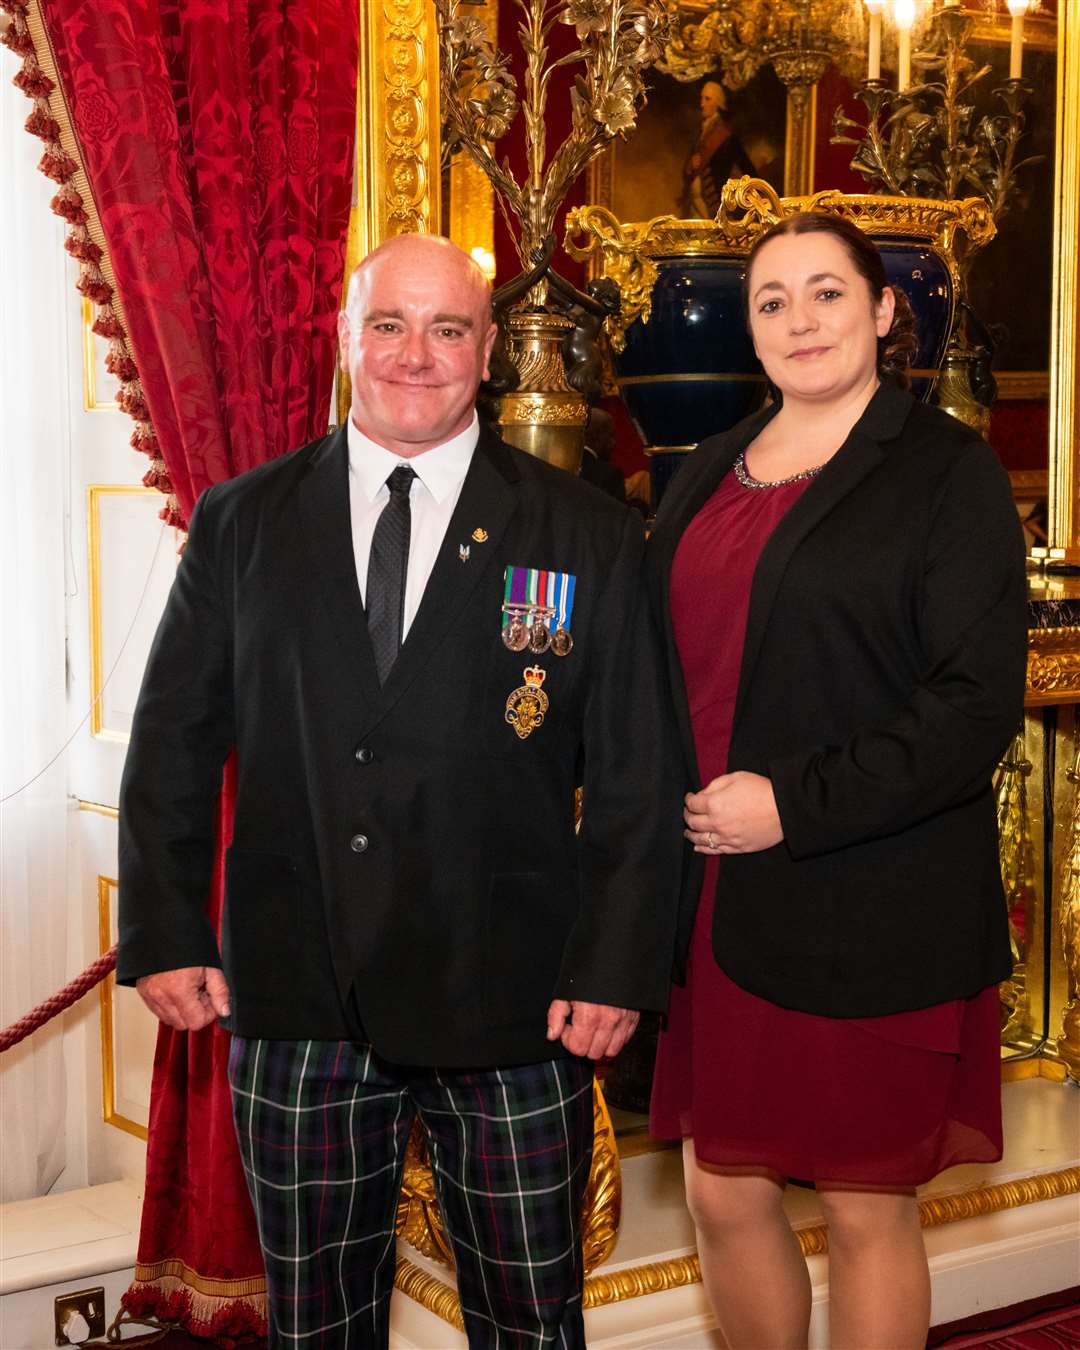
[(896, 350)]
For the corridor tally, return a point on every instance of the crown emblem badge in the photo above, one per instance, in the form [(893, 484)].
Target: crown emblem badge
[(527, 706), (480, 534)]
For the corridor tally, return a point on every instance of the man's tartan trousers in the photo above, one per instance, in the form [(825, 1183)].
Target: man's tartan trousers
[(322, 1127)]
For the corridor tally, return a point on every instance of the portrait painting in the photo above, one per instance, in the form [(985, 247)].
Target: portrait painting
[(689, 138)]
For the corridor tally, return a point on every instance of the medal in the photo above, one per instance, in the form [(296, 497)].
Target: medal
[(515, 634), (561, 642), (539, 634), (537, 605), (528, 704)]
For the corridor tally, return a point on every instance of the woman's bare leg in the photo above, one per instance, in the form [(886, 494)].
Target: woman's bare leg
[(879, 1282), (752, 1265)]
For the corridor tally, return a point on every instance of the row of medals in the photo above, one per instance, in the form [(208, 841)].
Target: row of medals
[(529, 628)]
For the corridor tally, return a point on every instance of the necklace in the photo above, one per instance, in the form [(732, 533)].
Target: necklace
[(746, 478)]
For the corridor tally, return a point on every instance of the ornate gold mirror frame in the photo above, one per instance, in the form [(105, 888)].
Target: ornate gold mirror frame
[(1064, 447)]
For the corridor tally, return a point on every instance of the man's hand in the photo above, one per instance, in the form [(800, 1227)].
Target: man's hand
[(593, 1030), (735, 813), (187, 999)]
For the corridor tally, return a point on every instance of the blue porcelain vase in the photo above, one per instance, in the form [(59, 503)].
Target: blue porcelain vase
[(683, 359)]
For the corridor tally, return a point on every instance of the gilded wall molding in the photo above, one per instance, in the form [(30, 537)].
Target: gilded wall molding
[(1065, 290), (1053, 670), (1022, 384), (657, 1276), (1068, 1042), (109, 1114), (398, 120)]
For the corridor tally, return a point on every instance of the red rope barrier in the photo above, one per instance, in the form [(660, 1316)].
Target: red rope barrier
[(56, 1003)]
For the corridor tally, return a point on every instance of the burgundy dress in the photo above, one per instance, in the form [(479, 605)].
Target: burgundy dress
[(886, 1101)]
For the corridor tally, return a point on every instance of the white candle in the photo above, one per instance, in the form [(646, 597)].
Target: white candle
[(1017, 9), (904, 10), (873, 46)]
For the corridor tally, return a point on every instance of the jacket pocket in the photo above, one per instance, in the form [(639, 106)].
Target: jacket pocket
[(530, 915), (260, 929)]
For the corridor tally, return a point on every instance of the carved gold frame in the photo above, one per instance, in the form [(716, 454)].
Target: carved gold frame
[(91, 403), (109, 1114), (1065, 315)]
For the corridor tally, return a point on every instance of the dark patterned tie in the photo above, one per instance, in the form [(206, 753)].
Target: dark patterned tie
[(387, 569)]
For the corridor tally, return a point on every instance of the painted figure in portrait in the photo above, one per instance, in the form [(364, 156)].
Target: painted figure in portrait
[(717, 155), (690, 138)]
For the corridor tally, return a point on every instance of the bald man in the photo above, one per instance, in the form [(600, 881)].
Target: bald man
[(717, 156), (419, 642)]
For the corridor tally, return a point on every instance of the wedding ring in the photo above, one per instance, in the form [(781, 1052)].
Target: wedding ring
[(710, 840)]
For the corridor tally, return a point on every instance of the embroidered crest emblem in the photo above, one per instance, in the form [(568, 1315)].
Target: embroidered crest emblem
[(527, 706)]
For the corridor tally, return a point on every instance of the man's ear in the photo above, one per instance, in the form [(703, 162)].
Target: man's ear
[(489, 343)]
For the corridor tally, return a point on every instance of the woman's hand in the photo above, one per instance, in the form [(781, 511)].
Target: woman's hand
[(735, 813)]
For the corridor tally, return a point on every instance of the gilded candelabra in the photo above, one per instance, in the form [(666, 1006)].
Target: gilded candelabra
[(929, 141), (540, 382), (616, 41), (798, 38)]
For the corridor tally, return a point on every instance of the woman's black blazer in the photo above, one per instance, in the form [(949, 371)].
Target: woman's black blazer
[(882, 678)]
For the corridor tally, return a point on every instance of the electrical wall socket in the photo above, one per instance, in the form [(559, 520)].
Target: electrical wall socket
[(81, 1312)]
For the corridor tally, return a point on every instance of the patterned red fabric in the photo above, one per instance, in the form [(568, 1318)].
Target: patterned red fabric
[(218, 142)]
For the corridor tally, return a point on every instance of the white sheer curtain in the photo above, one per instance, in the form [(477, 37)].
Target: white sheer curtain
[(34, 431)]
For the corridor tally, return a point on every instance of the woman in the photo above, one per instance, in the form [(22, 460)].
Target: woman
[(841, 581)]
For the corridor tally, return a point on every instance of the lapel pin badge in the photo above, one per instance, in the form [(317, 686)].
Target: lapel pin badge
[(463, 552), (480, 534)]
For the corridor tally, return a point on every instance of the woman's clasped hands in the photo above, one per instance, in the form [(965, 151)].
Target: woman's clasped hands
[(735, 813)]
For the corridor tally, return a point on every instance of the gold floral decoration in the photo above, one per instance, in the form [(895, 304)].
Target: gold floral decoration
[(617, 40)]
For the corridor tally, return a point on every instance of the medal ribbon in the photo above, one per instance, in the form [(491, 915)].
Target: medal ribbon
[(537, 588), (563, 600)]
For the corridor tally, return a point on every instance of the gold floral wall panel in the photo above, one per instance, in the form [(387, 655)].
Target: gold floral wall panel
[(398, 120)]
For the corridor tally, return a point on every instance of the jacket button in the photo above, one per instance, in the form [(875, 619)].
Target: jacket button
[(364, 755), (358, 843)]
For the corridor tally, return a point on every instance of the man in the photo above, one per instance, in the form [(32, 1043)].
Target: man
[(596, 465), (717, 156), (414, 635)]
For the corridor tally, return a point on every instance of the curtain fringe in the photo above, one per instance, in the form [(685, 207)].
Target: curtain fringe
[(235, 1314), (49, 122)]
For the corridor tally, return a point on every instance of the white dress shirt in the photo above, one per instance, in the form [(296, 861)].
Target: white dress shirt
[(433, 495)]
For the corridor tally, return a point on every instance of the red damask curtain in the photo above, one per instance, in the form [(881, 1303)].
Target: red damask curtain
[(216, 139)]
